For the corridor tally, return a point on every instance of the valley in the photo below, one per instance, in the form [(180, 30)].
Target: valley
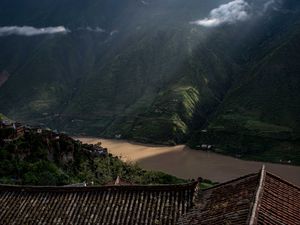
[(150, 73), (150, 112), (184, 162)]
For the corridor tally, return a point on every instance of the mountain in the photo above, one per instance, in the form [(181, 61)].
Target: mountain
[(147, 70)]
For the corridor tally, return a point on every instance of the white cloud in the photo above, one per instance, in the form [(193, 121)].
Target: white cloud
[(31, 31), (97, 29), (272, 4), (229, 13), (144, 2), (268, 4)]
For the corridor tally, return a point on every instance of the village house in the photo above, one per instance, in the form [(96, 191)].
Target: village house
[(39, 131), (118, 136), (255, 199), (5, 124), (27, 129), (20, 129), (11, 130), (205, 147), (96, 150)]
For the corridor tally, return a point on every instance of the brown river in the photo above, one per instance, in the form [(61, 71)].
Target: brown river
[(184, 162)]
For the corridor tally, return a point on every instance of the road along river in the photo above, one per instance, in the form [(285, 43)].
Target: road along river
[(184, 162)]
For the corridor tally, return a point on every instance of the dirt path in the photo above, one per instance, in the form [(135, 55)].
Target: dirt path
[(183, 162)]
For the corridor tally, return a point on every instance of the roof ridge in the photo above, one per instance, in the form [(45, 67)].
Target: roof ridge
[(283, 180), (253, 213), (157, 187)]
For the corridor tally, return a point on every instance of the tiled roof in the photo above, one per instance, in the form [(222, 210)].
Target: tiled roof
[(95, 205), (228, 203), (280, 202), (256, 199)]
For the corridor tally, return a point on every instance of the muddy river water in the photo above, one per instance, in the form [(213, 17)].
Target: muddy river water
[(184, 162)]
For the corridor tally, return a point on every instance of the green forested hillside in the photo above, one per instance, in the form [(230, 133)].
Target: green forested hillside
[(149, 74), (56, 159), (259, 116)]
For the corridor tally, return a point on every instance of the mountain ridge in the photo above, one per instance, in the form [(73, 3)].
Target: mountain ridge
[(144, 72)]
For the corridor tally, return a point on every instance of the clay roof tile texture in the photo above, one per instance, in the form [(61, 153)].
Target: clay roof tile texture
[(95, 205), (228, 203), (256, 199), (280, 202)]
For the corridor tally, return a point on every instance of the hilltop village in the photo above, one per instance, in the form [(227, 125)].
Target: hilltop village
[(35, 156), (14, 131)]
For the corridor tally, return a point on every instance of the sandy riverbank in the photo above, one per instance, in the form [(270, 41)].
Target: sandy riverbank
[(183, 162)]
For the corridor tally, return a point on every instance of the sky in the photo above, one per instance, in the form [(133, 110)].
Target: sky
[(232, 12)]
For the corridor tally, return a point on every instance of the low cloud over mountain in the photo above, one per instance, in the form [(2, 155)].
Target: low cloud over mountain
[(229, 13), (91, 29), (31, 31), (236, 11)]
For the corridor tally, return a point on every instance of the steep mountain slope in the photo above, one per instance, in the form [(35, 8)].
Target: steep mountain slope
[(259, 117), (142, 70), (108, 74)]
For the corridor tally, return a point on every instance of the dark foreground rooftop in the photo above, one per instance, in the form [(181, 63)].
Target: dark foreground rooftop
[(260, 198), (95, 205)]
